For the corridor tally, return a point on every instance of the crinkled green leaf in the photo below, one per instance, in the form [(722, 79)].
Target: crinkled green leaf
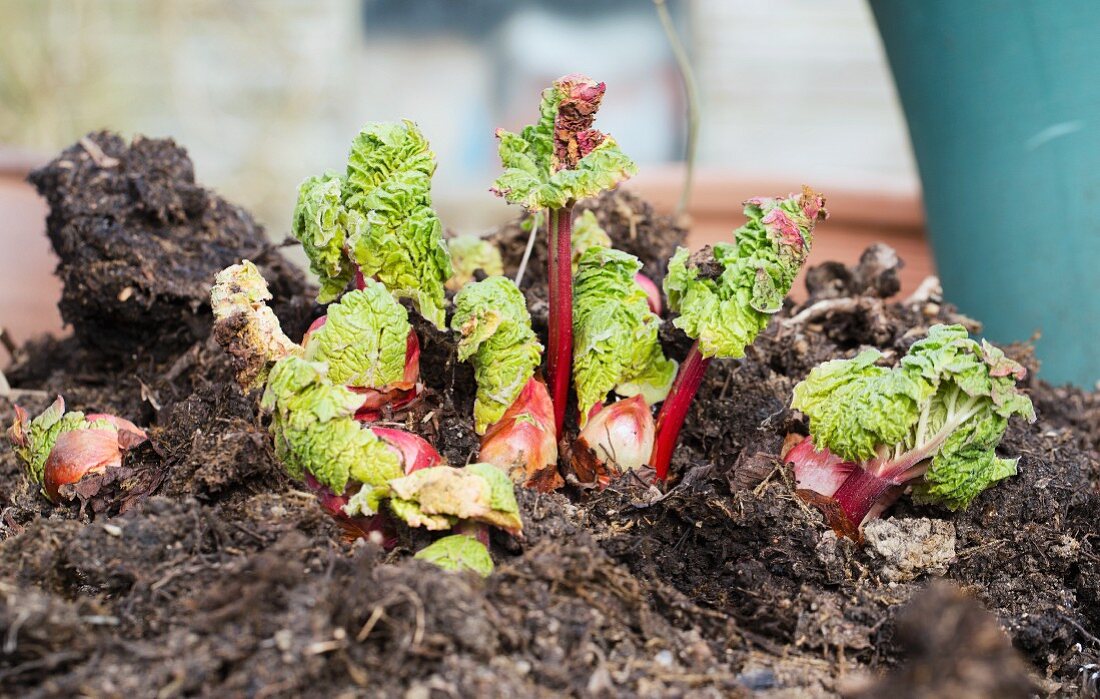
[(436, 498), (496, 337), (315, 430), (560, 158), (469, 254), (855, 406), (324, 226), (947, 404), (401, 240), (967, 464), (33, 440), (615, 344), (246, 326), (741, 285), (501, 489), (458, 552), (364, 338)]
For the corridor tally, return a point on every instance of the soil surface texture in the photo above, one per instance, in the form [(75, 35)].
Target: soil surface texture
[(207, 572)]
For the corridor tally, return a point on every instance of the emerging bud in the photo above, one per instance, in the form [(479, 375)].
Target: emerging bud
[(618, 438), (523, 442), (821, 472), (415, 451), (60, 448)]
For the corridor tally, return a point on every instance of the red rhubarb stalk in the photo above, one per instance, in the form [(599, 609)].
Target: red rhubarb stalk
[(675, 408), (560, 351)]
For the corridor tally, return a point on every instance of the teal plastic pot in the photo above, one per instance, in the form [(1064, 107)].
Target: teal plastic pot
[(1003, 103)]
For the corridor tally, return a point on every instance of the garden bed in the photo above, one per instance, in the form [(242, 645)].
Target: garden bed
[(207, 571)]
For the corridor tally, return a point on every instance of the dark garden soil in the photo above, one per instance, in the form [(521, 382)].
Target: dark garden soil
[(206, 572)]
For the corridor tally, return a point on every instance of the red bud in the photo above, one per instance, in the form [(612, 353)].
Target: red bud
[(78, 453), (617, 438), (416, 453), (523, 442)]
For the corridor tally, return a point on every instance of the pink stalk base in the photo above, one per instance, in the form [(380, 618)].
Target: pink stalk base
[(847, 493), (559, 357), (675, 408)]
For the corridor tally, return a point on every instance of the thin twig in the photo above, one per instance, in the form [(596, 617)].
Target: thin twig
[(530, 246), (683, 63)]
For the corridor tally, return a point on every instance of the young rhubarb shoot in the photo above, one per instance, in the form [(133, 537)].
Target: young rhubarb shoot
[(510, 409), (470, 255), (726, 294), (522, 442), (377, 219), (932, 423), (618, 438), (321, 443), (551, 165), (616, 333), (369, 345), (458, 552), (246, 326), (59, 448)]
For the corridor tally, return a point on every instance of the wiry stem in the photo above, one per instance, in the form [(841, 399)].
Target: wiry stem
[(675, 408), (692, 92), (536, 219), (560, 352)]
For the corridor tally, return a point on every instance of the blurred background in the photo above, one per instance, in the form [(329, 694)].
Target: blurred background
[(265, 92)]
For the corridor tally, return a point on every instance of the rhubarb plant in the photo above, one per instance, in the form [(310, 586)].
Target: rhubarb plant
[(59, 448), (726, 294), (617, 350), (320, 442), (616, 345), (512, 409), (376, 220), (932, 424), (551, 165)]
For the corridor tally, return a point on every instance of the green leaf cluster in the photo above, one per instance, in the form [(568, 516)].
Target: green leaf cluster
[(364, 338), (533, 179), (458, 552), (587, 233), (315, 429), (942, 411), (726, 299), (615, 332), (469, 254), (496, 337), (378, 216), (437, 498)]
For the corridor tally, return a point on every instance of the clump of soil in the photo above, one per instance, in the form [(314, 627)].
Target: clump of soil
[(140, 242), (229, 581)]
